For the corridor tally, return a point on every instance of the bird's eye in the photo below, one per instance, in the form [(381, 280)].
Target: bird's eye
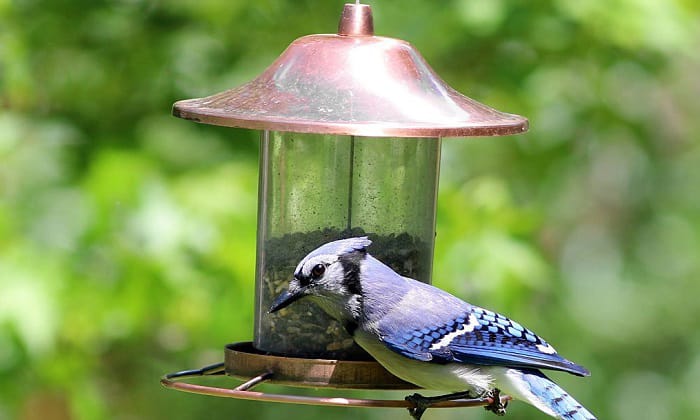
[(318, 271)]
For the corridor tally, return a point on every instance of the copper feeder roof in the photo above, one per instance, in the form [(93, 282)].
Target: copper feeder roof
[(352, 83)]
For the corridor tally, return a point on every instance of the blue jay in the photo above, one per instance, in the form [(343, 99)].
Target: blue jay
[(428, 337)]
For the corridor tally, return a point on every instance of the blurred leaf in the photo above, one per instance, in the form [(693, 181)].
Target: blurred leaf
[(127, 237)]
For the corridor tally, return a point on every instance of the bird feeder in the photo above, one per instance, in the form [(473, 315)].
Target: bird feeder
[(351, 127)]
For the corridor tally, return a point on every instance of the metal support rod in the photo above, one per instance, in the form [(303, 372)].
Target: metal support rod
[(245, 386), (210, 370), (351, 181)]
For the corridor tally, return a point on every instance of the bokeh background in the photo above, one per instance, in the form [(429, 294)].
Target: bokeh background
[(127, 236)]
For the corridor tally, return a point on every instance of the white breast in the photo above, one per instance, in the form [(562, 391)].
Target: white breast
[(450, 377)]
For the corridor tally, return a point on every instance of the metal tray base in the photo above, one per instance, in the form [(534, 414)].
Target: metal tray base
[(242, 360)]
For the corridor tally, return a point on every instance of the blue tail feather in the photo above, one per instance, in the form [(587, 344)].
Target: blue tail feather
[(553, 397)]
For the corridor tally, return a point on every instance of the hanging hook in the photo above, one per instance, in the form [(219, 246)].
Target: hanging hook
[(356, 20)]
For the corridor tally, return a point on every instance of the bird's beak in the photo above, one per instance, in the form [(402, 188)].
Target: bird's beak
[(285, 299)]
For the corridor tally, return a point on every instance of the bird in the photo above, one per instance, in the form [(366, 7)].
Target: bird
[(429, 337)]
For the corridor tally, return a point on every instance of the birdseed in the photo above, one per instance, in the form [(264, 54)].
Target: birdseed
[(304, 329)]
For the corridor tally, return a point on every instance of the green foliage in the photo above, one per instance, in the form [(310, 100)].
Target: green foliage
[(127, 237)]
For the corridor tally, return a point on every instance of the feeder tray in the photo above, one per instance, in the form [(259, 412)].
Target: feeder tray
[(244, 362)]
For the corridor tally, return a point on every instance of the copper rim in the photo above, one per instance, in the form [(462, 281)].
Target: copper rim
[(351, 83), (324, 401)]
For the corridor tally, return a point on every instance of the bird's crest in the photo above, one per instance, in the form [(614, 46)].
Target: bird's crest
[(342, 247)]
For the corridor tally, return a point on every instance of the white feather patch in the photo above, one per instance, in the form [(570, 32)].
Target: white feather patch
[(467, 328), (546, 348)]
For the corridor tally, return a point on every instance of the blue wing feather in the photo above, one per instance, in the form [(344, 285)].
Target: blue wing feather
[(480, 337)]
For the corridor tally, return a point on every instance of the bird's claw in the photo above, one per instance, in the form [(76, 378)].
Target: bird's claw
[(420, 404), (496, 406)]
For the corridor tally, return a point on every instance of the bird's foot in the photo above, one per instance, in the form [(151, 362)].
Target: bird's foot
[(422, 403), (496, 406), (419, 405)]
